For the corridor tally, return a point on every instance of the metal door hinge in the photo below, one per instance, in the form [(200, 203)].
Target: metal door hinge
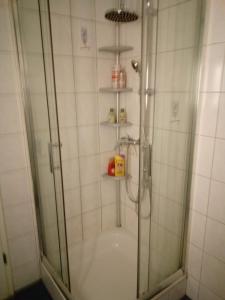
[(4, 258)]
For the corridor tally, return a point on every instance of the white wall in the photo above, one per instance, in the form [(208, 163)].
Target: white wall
[(206, 263), (15, 185)]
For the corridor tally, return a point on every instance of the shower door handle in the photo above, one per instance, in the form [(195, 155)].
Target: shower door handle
[(50, 157), (147, 162)]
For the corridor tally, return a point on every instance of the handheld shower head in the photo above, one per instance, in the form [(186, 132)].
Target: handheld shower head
[(136, 66)]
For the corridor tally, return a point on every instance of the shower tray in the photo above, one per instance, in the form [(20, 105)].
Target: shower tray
[(105, 267)]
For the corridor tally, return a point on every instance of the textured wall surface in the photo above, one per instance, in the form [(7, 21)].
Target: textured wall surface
[(206, 263)]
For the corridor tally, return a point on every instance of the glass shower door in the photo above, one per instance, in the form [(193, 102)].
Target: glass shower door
[(170, 50), (43, 135)]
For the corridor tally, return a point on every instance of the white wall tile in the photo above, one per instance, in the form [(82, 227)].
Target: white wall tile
[(215, 22), (209, 103), (7, 75), (88, 140), (107, 138), (89, 169), (87, 108), (61, 34), (215, 239), (5, 37), (85, 74), (218, 170), (14, 187), (40, 113), (32, 274), (19, 219), (69, 143), (30, 27), (200, 193), (72, 203), (71, 174), (36, 73), (216, 208), (221, 117), (74, 230), (22, 249), (192, 288), (66, 109), (108, 192), (83, 9), (91, 198), (92, 223), (60, 7), (108, 217), (204, 156), (64, 74), (206, 294), (213, 274), (9, 114), (12, 154), (198, 223), (213, 60)]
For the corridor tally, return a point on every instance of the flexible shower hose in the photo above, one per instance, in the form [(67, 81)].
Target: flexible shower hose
[(129, 191)]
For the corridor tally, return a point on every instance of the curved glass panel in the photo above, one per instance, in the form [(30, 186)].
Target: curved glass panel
[(170, 51)]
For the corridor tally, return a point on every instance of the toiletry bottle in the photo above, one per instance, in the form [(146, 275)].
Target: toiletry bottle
[(116, 76), (122, 79), (111, 167), (119, 166), (112, 116), (123, 116)]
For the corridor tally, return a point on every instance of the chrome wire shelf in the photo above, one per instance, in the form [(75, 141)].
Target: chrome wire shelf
[(113, 90), (116, 178), (115, 125)]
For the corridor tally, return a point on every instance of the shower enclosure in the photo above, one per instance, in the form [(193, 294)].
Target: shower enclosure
[(104, 237)]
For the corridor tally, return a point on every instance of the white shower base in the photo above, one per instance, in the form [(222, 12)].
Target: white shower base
[(105, 267)]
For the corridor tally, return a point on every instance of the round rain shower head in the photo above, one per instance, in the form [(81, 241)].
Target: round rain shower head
[(121, 15), (136, 66)]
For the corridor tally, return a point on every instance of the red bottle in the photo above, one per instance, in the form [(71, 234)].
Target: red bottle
[(111, 167)]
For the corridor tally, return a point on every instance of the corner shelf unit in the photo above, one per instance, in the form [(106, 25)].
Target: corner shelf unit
[(115, 125), (116, 178), (113, 90), (117, 49)]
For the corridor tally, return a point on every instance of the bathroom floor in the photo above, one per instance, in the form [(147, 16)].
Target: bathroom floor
[(36, 291)]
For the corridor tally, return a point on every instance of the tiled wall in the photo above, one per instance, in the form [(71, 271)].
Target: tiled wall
[(90, 200), (206, 262), (15, 186)]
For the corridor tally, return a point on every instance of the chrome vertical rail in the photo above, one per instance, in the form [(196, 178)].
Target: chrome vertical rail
[(146, 97), (118, 186)]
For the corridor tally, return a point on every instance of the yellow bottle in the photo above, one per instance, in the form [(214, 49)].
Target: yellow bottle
[(119, 166)]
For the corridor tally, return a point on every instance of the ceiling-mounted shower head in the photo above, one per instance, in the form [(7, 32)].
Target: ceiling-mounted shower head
[(121, 14), (136, 66)]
